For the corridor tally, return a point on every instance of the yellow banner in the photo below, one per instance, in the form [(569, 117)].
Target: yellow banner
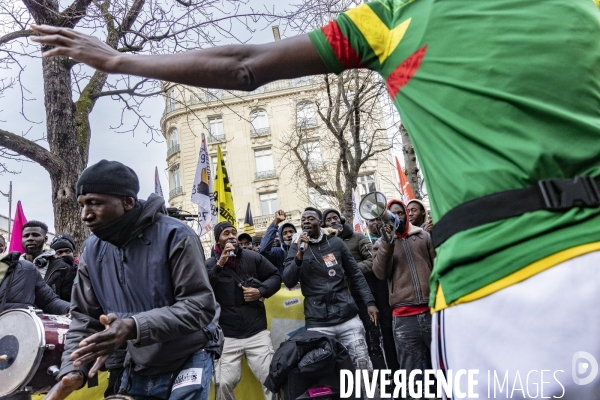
[(222, 192)]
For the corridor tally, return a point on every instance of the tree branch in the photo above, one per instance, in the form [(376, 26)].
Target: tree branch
[(31, 150), (73, 14), (15, 35)]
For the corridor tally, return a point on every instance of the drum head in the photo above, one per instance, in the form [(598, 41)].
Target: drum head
[(22, 341)]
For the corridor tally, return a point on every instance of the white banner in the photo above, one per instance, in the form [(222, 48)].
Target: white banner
[(202, 192), (358, 222)]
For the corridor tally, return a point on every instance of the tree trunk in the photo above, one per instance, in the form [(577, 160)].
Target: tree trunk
[(347, 209), (410, 162), (64, 145)]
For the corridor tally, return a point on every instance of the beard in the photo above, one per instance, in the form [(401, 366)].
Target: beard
[(32, 251)]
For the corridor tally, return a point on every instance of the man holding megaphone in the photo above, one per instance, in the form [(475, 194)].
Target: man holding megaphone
[(404, 257)]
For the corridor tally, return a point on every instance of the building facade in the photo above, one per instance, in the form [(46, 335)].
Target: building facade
[(252, 130)]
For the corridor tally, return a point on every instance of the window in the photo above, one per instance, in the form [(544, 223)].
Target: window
[(318, 200), (173, 142), (364, 146), (268, 203), (306, 114), (174, 181), (366, 184), (350, 98), (213, 94), (173, 137), (312, 155), (264, 164), (259, 121), (216, 130), (213, 164), (171, 101)]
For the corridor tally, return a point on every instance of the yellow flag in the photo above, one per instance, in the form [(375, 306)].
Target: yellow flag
[(222, 189)]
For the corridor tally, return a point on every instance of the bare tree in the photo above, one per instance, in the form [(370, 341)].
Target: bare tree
[(71, 91), (340, 128)]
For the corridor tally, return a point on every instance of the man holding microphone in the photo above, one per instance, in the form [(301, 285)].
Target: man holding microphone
[(322, 263)]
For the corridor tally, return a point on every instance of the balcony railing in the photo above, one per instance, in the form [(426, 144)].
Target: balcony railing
[(170, 107), (261, 223), (260, 131), (265, 174), (172, 150), (177, 191), (216, 138), (208, 96)]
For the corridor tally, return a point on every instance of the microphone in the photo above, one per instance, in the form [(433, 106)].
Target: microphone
[(231, 253), (303, 245)]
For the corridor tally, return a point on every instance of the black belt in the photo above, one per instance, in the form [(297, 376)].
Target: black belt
[(550, 194)]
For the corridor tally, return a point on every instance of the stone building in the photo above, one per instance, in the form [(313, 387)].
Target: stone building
[(251, 129)]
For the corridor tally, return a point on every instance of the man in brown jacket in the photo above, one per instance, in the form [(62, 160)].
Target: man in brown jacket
[(406, 263)]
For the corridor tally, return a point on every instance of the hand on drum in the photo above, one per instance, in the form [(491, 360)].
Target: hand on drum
[(67, 385), (101, 345)]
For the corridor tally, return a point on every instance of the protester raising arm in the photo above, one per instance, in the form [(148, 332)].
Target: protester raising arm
[(239, 67)]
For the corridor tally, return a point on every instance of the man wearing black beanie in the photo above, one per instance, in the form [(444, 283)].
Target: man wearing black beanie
[(241, 279), (141, 281)]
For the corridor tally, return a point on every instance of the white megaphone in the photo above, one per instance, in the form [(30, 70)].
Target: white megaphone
[(372, 206)]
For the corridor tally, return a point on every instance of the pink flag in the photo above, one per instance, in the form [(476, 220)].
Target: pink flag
[(17, 230)]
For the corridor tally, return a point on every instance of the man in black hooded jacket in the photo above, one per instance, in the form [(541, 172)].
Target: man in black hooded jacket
[(141, 280)]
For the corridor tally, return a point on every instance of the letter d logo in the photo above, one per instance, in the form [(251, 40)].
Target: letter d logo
[(582, 363)]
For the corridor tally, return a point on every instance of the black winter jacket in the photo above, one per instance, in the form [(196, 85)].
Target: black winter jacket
[(60, 276), (158, 277), (24, 287), (326, 298), (315, 353), (241, 319)]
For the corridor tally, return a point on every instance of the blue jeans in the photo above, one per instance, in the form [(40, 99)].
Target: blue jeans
[(192, 381)]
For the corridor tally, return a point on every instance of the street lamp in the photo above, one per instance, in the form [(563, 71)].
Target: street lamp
[(9, 195)]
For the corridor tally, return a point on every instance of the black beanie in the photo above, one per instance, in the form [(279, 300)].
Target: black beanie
[(245, 236), (61, 244), (220, 227), (109, 177), (329, 211), (63, 241)]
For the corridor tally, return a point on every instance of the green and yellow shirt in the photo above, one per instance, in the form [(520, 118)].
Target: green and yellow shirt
[(496, 95)]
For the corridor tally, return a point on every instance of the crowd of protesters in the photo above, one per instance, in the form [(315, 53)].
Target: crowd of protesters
[(145, 273)]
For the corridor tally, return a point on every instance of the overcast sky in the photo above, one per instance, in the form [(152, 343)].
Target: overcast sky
[(32, 186)]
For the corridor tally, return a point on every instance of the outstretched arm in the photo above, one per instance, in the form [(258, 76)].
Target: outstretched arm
[(238, 67)]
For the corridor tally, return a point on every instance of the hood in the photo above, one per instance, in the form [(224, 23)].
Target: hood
[(12, 258), (346, 232), (329, 211), (151, 209), (280, 233), (407, 224)]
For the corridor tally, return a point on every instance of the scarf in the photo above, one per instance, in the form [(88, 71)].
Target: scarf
[(311, 240), (230, 260), (119, 231)]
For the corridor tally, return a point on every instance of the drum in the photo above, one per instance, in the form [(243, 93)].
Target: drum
[(31, 347)]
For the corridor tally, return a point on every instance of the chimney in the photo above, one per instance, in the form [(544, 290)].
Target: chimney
[(276, 32)]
